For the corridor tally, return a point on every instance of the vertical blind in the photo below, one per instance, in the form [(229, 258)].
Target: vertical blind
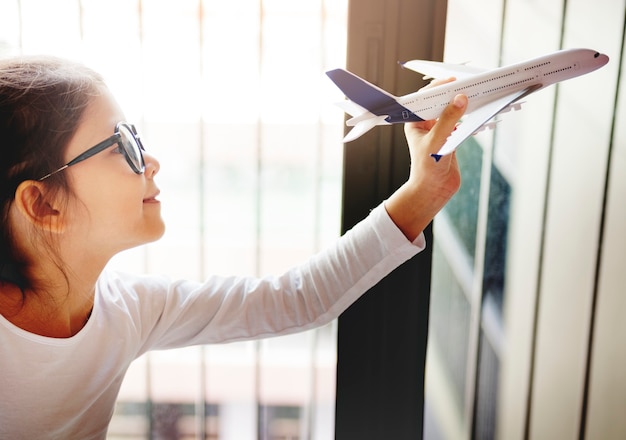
[(522, 339), (231, 98)]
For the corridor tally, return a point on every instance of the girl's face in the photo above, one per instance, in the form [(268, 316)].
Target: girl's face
[(114, 208)]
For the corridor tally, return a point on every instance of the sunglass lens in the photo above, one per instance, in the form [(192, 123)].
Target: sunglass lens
[(131, 148)]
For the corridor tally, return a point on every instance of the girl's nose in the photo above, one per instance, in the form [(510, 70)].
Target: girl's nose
[(152, 164)]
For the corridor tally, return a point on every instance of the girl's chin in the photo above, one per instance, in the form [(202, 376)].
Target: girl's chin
[(154, 232)]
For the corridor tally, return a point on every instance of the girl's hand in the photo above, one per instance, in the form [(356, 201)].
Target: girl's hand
[(431, 183)]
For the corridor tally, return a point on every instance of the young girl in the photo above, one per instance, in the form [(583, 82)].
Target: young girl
[(77, 187)]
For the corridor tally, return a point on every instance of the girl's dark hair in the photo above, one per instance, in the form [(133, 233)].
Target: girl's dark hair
[(42, 101)]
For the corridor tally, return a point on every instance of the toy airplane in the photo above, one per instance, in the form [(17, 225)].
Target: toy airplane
[(489, 92)]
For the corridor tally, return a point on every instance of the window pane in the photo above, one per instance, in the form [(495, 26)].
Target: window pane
[(486, 391), (449, 329), (462, 210), (496, 241), (232, 100)]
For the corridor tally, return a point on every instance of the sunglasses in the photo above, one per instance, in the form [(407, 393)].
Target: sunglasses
[(126, 137)]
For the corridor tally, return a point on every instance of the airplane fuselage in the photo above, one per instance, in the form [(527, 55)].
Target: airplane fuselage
[(489, 92), (491, 85)]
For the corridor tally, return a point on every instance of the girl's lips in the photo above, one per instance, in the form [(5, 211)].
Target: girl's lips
[(152, 198)]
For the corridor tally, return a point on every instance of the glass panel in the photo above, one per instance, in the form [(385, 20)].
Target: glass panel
[(42, 34), (449, 326), (450, 309), (9, 28), (462, 210), (486, 391), (279, 422), (497, 233)]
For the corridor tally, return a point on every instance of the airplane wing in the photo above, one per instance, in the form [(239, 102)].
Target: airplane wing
[(473, 122), (435, 69)]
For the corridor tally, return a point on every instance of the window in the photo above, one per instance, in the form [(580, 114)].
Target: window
[(232, 100), (466, 331), (524, 316)]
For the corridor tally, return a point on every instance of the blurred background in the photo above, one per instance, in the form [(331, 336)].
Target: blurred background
[(527, 298), (231, 99)]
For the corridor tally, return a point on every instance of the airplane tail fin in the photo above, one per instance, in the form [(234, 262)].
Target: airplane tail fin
[(367, 103), (361, 92)]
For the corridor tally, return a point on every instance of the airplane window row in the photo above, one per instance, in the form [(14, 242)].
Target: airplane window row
[(508, 85), (538, 65), (559, 70)]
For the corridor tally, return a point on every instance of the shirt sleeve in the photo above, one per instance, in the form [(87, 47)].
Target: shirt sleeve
[(227, 309)]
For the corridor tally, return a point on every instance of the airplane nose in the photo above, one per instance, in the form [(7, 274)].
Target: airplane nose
[(600, 59)]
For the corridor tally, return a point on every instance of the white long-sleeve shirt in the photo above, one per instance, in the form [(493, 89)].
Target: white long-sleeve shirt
[(65, 388)]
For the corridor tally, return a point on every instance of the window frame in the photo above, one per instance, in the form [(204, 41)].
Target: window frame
[(382, 338)]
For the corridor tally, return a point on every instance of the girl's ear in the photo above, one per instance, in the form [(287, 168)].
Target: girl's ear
[(36, 208)]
